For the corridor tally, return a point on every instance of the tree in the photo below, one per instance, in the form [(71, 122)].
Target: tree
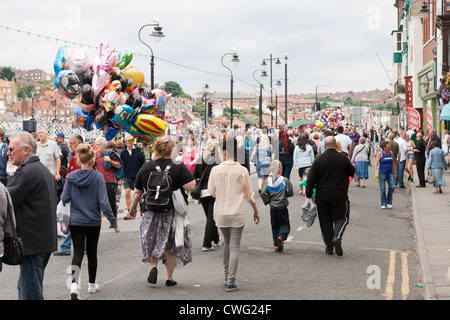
[(26, 92), (173, 88), (7, 73)]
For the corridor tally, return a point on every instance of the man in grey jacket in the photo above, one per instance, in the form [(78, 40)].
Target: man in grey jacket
[(33, 193), (276, 194), (5, 223)]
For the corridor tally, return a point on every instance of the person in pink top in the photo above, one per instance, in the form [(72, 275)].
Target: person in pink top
[(190, 153)]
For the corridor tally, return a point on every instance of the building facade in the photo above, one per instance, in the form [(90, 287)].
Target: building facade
[(421, 61)]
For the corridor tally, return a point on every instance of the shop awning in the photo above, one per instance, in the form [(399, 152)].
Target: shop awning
[(445, 113), (299, 123), (250, 121)]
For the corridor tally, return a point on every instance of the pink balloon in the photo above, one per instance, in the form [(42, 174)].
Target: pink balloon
[(79, 62), (102, 65)]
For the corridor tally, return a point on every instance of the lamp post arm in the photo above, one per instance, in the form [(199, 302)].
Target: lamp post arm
[(152, 60), (231, 85), (139, 35)]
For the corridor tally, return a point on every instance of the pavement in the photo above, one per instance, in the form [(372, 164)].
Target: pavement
[(431, 217)]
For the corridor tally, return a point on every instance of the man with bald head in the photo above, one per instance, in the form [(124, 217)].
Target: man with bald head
[(329, 174)]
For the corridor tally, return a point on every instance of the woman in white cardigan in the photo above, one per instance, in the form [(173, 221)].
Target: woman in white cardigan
[(303, 158), (360, 159)]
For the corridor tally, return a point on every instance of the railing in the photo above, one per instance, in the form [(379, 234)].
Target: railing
[(53, 129)]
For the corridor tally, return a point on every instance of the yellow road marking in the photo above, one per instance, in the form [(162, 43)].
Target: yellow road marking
[(391, 277), (405, 276)]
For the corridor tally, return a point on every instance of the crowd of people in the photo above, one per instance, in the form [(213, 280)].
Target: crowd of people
[(213, 169)]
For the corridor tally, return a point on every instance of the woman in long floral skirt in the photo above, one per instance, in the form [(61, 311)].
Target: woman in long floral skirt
[(157, 229)]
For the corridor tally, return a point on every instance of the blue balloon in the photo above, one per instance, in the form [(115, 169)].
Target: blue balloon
[(62, 61), (84, 119)]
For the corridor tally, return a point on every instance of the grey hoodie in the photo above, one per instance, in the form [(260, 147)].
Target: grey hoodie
[(86, 190), (277, 191)]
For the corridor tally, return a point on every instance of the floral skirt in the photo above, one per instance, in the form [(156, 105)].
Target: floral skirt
[(156, 235)]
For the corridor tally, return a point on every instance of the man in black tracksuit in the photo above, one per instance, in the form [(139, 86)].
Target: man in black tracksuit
[(329, 174)]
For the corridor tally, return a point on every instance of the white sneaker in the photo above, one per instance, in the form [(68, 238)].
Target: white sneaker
[(383, 207), (74, 292), (93, 287), (389, 206)]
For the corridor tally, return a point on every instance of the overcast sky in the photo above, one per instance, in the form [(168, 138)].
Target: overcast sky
[(328, 42)]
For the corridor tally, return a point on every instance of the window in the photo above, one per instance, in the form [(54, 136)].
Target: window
[(448, 50), (399, 42)]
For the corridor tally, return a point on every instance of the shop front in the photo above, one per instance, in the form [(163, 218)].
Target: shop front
[(427, 93)]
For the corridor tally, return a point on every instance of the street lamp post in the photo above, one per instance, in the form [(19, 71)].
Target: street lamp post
[(157, 36), (271, 87), (234, 61), (260, 96), (316, 105), (33, 93), (278, 84), (205, 95)]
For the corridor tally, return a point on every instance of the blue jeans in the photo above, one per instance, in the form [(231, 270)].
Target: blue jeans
[(389, 178), (31, 277), (66, 244), (400, 170)]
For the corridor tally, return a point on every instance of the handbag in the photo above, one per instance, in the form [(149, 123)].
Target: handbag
[(195, 194), (13, 253)]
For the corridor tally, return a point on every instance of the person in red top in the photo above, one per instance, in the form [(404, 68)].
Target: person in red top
[(108, 174), (73, 143)]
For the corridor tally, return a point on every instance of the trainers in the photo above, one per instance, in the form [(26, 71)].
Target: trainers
[(207, 249), (74, 292), (383, 207), (389, 206), (231, 288), (279, 247), (337, 246), (59, 253), (93, 287)]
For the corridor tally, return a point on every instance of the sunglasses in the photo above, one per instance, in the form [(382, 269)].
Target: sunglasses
[(12, 149)]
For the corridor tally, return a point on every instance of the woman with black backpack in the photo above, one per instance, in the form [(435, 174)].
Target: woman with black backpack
[(157, 180)]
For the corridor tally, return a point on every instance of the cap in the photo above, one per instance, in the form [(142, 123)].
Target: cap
[(60, 135)]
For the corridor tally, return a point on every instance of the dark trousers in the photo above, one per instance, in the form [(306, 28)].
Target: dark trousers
[(111, 192), (80, 234), (287, 168), (420, 167), (279, 219), (333, 219), (211, 231)]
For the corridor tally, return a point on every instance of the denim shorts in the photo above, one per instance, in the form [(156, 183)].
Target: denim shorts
[(128, 183), (301, 171), (410, 156)]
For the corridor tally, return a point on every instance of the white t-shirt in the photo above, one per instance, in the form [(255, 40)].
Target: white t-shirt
[(344, 140), (48, 153), (402, 146)]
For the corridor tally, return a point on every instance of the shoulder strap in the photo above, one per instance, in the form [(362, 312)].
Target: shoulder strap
[(10, 215)]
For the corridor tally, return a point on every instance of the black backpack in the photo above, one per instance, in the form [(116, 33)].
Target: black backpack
[(158, 195)]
